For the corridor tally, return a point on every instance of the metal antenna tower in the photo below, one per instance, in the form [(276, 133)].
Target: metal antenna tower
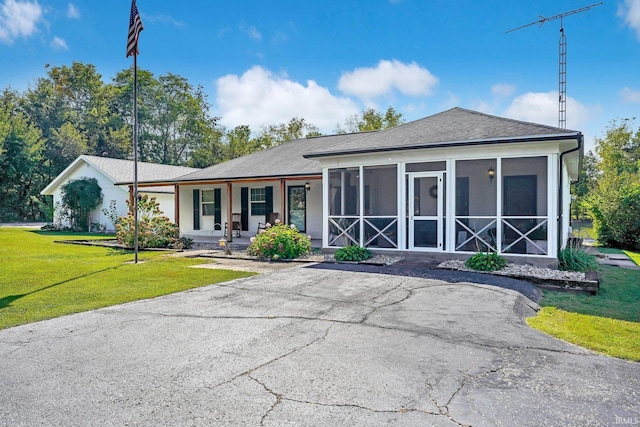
[(562, 59)]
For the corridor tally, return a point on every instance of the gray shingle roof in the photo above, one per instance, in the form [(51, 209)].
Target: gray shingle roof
[(453, 126), (279, 161), (298, 158), (121, 171)]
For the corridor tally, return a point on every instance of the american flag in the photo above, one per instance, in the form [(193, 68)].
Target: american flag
[(135, 26)]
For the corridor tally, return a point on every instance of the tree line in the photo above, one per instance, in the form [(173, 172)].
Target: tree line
[(72, 111), (608, 189)]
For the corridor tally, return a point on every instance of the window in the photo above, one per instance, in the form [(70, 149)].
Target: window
[(344, 190), (208, 203), (258, 201)]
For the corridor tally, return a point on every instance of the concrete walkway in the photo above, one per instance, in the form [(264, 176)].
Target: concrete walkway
[(310, 347), (618, 260)]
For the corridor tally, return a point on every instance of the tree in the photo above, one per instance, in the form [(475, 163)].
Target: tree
[(80, 197), (21, 149), (73, 109), (174, 118), (239, 142), (581, 189), (370, 119), (296, 128), (615, 200)]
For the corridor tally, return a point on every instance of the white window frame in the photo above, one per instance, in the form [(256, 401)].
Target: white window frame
[(207, 203), (257, 202)]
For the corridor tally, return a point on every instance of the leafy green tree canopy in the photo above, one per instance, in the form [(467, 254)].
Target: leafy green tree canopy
[(21, 149), (370, 119), (615, 199)]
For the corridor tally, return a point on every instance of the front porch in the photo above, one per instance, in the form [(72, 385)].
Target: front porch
[(207, 209)]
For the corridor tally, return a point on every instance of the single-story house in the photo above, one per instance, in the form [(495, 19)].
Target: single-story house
[(108, 172), (456, 182)]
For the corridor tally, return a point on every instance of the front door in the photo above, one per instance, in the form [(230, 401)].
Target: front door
[(297, 203), (425, 211)]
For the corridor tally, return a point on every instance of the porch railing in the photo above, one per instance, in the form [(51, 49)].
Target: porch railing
[(381, 231), (344, 230), (378, 231), (525, 235), (475, 234)]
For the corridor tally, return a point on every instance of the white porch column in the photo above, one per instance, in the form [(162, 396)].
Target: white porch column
[(553, 180), (325, 207)]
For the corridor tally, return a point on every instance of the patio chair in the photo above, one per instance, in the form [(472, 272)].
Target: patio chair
[(235, 224), (272, 220)]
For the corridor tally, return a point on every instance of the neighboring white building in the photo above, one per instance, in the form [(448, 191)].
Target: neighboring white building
[(110, 173)]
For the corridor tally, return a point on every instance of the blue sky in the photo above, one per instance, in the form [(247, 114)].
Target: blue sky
[(263, 62)]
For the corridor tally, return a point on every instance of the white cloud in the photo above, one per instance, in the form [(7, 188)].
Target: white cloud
[(251, 31), (18, 19), (408, 79), (163, 19), (541, 107), (73, 12), (630, 96), (503, 90), (259, 97), (58, 43), (630, 12)]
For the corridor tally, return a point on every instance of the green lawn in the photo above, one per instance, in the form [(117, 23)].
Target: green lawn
[(608, 322), (40, 279)]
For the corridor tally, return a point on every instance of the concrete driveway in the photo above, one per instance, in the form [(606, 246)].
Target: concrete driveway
[(310, 347)]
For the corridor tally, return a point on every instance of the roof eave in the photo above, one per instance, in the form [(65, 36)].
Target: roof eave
[(47, 191), (224, 179), (553, 137)]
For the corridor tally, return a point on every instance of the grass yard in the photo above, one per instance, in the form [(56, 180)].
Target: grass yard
[(40, 279), (583, 228), (608, 323)]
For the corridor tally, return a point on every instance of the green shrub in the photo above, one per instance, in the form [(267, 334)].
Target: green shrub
[(574, 258), (615, 217), (352, 253), (154, 229), (80, 197), (181, 243), (279, 241), (489, 261)]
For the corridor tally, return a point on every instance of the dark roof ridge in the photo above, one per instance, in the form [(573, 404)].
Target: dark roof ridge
[(509, 119)]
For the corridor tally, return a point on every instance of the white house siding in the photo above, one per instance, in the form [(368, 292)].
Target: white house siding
[(314, 209), (109, 192), (165, 200)]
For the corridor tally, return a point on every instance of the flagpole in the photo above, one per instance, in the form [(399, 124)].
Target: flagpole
[(135, 26), (135, 154)]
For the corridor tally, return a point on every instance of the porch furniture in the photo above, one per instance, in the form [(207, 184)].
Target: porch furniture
[(235, 224), (272, 220)]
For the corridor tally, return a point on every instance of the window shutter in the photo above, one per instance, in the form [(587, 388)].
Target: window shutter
[(196, 209), (244, 208), (268, 208), (217, 209)]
